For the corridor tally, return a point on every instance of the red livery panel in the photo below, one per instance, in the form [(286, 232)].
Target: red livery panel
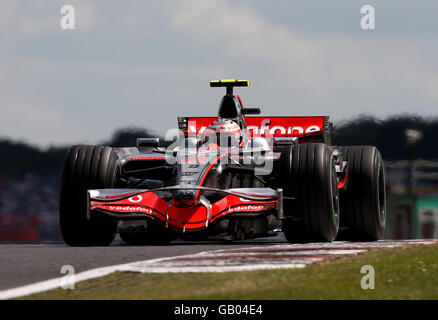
[(275, 126)]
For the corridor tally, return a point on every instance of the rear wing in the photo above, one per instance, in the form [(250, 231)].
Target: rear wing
[(229, 84), (306, 129)]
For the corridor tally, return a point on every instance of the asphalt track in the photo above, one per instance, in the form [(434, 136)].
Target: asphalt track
[(31, 268), (23, 264)]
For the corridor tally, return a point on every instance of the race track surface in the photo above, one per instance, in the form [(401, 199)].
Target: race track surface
[(32, 264), (23, 264)]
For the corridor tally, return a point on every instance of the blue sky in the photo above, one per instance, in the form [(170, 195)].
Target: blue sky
[(143, 63)]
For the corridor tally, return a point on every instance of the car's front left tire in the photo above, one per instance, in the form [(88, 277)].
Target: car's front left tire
[(86, 167), (363, 202), (309, 176)]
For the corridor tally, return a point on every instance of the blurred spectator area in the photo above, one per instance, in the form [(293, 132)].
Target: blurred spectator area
[(412, 199), (29, 209)]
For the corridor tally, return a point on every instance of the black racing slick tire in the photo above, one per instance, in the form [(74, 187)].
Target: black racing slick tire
[(309, 175), (86, 167), (363, 202)]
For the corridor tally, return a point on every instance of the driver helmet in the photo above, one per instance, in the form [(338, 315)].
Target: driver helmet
[(226, 132)]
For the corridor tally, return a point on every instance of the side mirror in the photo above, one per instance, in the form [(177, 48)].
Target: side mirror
[(247, 111), (147, 142), (279, 141)]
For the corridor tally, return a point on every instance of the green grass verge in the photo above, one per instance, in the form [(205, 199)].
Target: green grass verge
[(409, 272)]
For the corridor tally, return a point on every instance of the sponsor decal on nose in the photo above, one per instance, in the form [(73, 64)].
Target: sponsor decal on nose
[(135, 199)]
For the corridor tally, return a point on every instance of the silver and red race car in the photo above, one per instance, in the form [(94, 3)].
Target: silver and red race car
[(235, 176)]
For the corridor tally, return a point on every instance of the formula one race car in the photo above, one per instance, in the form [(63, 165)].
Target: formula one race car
[(234, 176)]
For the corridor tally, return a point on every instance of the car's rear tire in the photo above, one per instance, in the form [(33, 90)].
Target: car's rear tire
[(309, 176), (86, 167), (363, 202)]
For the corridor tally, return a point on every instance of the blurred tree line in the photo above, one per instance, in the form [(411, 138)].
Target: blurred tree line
[(18, 157), (387, 135)]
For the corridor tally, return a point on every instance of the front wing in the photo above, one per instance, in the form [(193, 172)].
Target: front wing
[(156, 204)]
